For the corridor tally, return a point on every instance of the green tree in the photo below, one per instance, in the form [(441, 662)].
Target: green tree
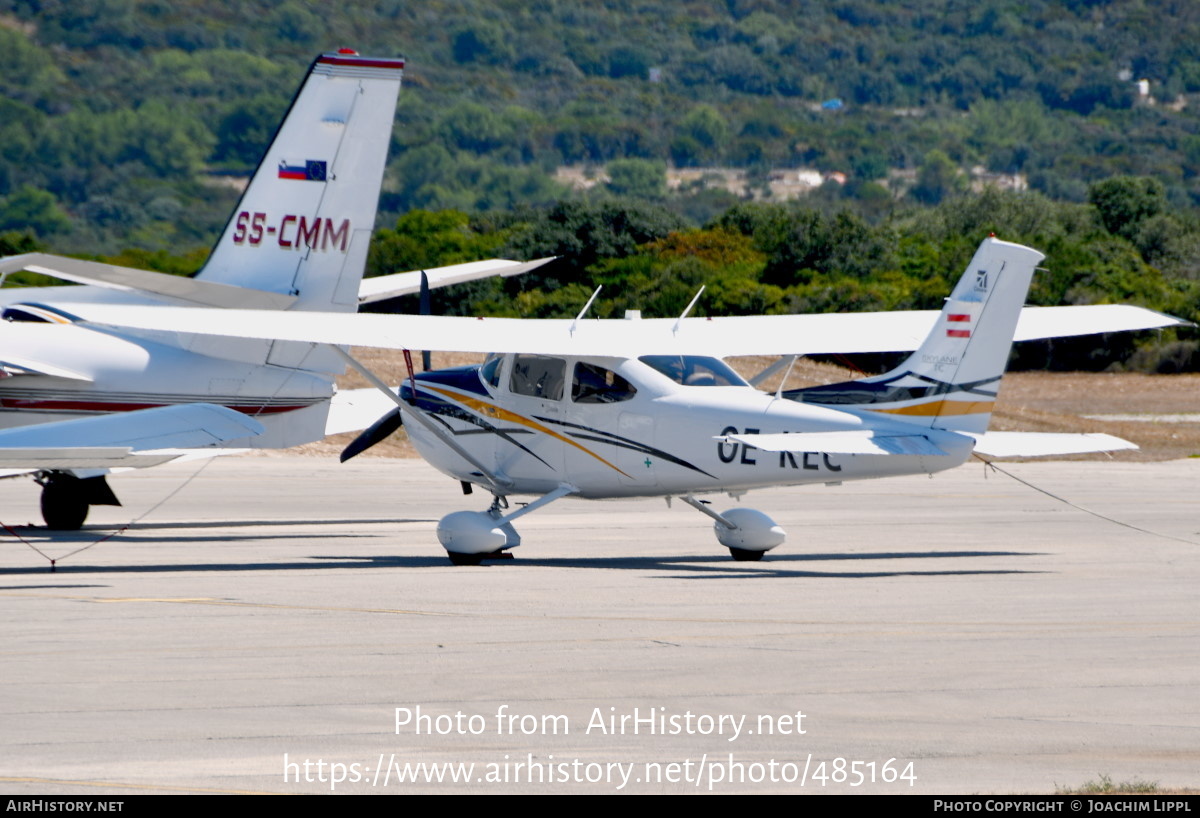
[(581, 233), (483, 41), (422, 239), (295, 23), (937, 178), (637, 178), (701, 137), (245, 131), (32, 209), (1124, 202)]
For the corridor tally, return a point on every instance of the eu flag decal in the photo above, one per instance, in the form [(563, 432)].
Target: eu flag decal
[(310, 170)]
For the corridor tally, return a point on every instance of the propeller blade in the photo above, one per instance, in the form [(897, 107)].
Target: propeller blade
[(425, 308), (379, 430)]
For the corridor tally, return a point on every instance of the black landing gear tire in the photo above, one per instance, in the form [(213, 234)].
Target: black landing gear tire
[(64, 507), (746, 555)]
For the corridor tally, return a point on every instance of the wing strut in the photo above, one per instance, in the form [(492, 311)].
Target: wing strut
[(786, 375), (780, 362)]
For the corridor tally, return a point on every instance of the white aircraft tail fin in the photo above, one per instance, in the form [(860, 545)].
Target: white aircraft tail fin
[(303, 225), (952, 380)]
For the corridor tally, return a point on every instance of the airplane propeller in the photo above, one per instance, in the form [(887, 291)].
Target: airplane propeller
[(379, 430), (425, 308), (384, 427)]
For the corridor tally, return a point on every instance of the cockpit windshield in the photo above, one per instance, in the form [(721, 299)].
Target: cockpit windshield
[(694, 370), (489, 373)]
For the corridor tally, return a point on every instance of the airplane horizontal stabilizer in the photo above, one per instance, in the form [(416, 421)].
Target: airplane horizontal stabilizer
[(80, 457), (1040, 444), (864, 441), (99, 442), (390, 286), (130, 279)]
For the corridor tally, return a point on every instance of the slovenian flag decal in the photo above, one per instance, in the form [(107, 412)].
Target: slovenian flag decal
[(310, 170)]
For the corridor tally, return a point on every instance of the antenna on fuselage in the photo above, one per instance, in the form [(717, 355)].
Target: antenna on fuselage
[(586, 307), (679, 320)]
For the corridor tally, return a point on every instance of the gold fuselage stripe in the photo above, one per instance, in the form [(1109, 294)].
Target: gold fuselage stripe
[(498, 413), (942, 408)]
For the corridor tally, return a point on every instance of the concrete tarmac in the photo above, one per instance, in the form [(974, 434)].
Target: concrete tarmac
[(288, 624)]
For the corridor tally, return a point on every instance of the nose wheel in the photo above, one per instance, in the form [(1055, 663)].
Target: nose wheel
[(746, 532), (470, 537)]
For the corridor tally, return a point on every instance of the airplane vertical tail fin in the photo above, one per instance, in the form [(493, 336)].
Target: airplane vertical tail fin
[(952, 380), (304, 223)]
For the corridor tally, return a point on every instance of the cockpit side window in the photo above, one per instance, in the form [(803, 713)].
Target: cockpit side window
[(595, 384), (538, 376), (694, 370)]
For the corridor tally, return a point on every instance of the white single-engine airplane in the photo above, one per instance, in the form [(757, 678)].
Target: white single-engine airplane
[(626, 408), (77, 402)]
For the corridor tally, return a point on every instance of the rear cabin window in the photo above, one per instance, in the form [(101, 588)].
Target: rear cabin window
[(595, 384), (538, 376)]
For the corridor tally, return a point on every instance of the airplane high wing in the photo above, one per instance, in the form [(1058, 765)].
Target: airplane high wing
[(621, 408), (815, 334)]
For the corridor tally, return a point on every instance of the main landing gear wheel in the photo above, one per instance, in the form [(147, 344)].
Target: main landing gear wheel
[(746, 555), (64, 506)]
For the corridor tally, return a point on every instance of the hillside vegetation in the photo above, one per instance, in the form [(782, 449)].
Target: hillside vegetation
[(125, 121)]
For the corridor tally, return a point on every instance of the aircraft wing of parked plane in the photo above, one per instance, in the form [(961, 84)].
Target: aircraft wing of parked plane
[(828, 333), (623, 408)]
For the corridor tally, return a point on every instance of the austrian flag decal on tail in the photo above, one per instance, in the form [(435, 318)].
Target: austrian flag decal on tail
[(961, 331), (310, 170)]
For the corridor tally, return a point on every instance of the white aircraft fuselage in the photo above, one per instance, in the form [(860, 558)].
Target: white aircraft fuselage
[(98, 371), (653, 435)]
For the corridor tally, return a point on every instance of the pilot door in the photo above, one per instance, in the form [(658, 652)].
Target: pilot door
[(530, 440)]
